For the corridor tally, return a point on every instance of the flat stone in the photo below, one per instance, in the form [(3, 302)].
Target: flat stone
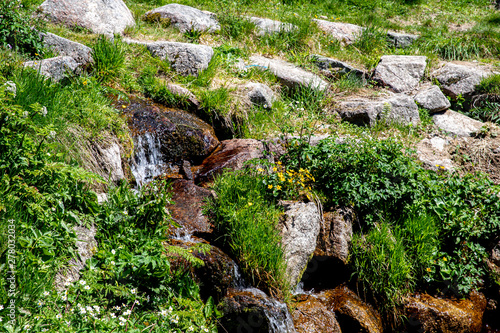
[(327, 64), (289, 74), (192, 101), (184, 18), (55, 68), (335, 234), (344, 32), (269, 27), (456, 123), (456, 79), (432, 99), (260, 94), (401, 40), (101, 17), (400, 73), (65, 47)]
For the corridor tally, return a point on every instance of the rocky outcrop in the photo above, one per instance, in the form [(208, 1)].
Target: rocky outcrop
[(335, 234), (459, 79), (185, 94), (432, 99), (101, 17), (231, 155), (344, 32), (336, 66), (299, 233), (110, 161), (260, 94), (400, 73), (456, 123), (187, 208), (184, 18), (56, 68), (434, 155), (65, 47), (268, 27), (444, 315), (289, 74), (312, 316), (401, 40)]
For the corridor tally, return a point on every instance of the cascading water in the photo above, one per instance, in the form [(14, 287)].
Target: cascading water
[(147, 162)]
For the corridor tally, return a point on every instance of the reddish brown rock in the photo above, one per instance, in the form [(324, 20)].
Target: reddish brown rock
[(354, 315), (231, 155), (312, 316), (187, 209), (445, 315)]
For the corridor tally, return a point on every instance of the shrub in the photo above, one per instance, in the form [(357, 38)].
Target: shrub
[(109, 59), (489, 85)]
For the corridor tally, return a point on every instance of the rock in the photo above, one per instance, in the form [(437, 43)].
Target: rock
[(186, 170), (299, 231), (187, 208), (65, 47), (399, 108), (250, 310), (447, 316), (458, 79), (56, 68), (327, 64), (269, 27), (192, 101), (101, 17), (231, 155), (344, 32), (289, 74), (311, 316), (495, 254), (335, 234), (351, 311), (184, 18), (185, 58), (433, 155), (260, 94), (400, 40), (400, 73), (456, 123), (432, 99), (111, 162)]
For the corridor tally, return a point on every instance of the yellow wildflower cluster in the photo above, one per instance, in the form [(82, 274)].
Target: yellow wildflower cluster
[(290, 181)]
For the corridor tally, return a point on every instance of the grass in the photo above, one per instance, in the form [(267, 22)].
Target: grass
[(109, 59)]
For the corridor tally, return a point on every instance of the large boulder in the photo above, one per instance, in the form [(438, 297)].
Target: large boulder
[(268, 27), (335, 234), (400, 73), (456, 123), (289, 74), (447, 316), (184, 18), (299, 233), (99, 16), (344, 32), (312, 316), (56, 68), (432, 99), (65, 47), (459, 79), (330, 64)]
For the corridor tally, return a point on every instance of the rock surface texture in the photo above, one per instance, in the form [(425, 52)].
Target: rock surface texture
[(434, 155), (260, 94), (55, 68), (330, 64), (268, 27), (432, 99), (459, 79), (312, 316), (335, 234), (344, 32), (400, 73), (401, 40), (184, 93), (111, 161), (99, 16), (184, 18), (456, 123), (65, 47)]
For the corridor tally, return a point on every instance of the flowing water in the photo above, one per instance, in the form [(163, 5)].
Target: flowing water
[(148, 159)]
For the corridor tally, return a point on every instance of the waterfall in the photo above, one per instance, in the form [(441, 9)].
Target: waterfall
[(148, 159)]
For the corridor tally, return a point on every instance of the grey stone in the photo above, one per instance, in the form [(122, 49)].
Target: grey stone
[(401, 40), (345, 32), (336, 234), (433, 154), (65, 47), (111, 162), (325, 63), (268, 27), (185, 93), (400, 73), (399, 108), (458, 80), (456, 123), (55, 68), (432, 99), (289, 74), (300, 230), (99, 16), (260, 94), (184, 18)]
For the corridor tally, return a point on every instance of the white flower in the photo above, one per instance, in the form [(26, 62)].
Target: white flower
[(89, 308), (133, 291), (164, 313), (52, 134), (122, 319), (205, 329), (97, 308), (27, 327), (112, 263), (40, 303), (58, 316), (126, 313), (82, 282), (44, 111), (25, 114), (174, 319), (11, 87), (1, 307), (44, 330), (112, 315), (46, 293), (113, 251), (83, 311), (0, 319), (122, 323), (86, 287), (190, 329), (265, 106)]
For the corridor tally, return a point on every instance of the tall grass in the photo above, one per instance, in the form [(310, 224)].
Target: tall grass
[(109, 59)]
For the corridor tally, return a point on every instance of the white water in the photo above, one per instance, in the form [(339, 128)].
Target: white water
[(147, 162)]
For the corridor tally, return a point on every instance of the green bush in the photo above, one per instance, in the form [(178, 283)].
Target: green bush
[(489, 85), (109, 59)]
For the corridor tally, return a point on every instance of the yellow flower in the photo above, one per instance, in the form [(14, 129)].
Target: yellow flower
[(260, 170), (275, 169), (278, 187), (428, 269), (85, 82), (279, 163), (250, 204), (444, 259), (269, 186), (124, 106)]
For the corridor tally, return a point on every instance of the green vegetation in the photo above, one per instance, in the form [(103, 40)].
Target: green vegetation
[(108, 58)]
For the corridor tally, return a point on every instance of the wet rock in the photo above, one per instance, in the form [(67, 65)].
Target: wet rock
[(111, 162), (184, 93), (495, 254), (299, 232), (432, 99), (329, 64), (456, 123), (401, 40), (269, 27), (289, 74), (335, 234), (353, 314), (344, 32), (187, 208), (101, 17), (56, 68), (186, 170), (231, 155), (65, 47), (311, 316), (260, 94), (458, 79), (184, 18), (250, 310), (399, 108), (434, 155), (400, 73), (447, 316)]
